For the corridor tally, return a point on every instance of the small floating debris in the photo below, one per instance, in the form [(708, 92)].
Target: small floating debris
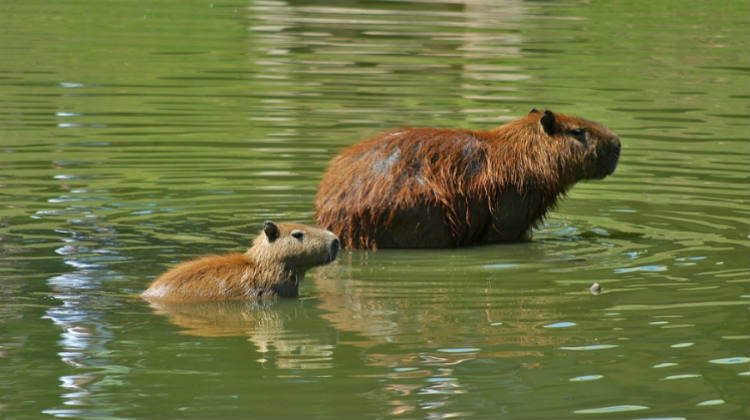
[(595, 289)]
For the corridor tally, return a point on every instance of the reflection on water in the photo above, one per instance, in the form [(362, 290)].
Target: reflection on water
[(269, 326), (357, 303), (133, 138), (85, 335)]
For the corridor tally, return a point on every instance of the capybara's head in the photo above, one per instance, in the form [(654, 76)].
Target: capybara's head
[(594, 147), (295, 245)]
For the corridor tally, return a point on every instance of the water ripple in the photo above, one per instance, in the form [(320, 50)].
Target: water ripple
[(730, 360), (586, 378), (592, 347), (612, 409)]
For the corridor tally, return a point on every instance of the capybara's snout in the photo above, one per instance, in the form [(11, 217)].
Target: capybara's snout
[(334, 250), (335, 244), (612, 155)]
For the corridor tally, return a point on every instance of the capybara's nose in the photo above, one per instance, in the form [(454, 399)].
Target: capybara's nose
[(616, 149), (612, 155), (334, 248), (617, 145)]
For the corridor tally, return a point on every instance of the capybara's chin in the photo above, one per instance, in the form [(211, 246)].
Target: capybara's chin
[(437, 188)]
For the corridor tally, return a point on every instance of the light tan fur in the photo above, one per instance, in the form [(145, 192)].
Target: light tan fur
[(273, 266)]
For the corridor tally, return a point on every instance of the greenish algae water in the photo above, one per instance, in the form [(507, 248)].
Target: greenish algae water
[(137, 134)]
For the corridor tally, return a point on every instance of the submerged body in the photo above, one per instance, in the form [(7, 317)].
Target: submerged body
[(273, 266), (439, 188)]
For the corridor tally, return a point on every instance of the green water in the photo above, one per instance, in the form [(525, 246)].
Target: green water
[(137, 134)]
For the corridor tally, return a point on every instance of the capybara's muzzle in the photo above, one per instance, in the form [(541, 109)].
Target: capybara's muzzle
[(334, 250), (609, 155)]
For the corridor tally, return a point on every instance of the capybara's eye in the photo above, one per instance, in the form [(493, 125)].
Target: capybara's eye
[(298, 234), (579, 134)]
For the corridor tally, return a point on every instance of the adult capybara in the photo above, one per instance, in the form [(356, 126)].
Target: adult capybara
[(273, 266), (438, 188)]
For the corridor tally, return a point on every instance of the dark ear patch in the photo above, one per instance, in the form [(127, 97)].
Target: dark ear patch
[(548, 122), (534, 111), (271, 230)]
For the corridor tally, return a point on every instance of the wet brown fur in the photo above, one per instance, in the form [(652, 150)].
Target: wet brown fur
[(273, 266), (436, 188)]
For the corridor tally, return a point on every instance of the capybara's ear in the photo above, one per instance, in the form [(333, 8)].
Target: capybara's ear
[(271, 230), (534, 111), (548, 122)]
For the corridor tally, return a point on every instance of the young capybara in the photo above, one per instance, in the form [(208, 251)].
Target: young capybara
[(273, 266), (439, 188)]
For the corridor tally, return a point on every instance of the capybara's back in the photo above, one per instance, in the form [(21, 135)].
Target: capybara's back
[(273, 266), (438, 188)]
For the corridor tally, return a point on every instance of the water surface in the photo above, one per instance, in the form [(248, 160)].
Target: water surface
[(134, 135)]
